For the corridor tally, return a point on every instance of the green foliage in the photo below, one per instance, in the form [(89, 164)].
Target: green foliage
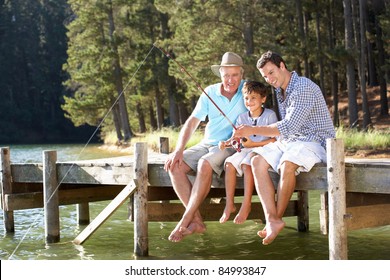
[(58, 57)]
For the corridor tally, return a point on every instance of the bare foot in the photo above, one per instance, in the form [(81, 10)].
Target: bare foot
[(262, 233), (226, 213), (272, 229), (180, 232), (242, 214), (194, 227), (176, 235)]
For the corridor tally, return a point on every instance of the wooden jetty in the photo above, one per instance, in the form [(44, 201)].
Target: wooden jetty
[(354, 194)]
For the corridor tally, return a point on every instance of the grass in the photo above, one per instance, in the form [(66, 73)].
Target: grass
[(153, 138), (353, 138), (363, 140)]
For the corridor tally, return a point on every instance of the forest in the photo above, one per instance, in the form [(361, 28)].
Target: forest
[(69, 67)]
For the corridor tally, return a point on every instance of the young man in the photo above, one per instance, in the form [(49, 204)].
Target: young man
[(205, 157), (238, 164), (303, 130)]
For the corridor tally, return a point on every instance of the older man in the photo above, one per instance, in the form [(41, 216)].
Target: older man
[(205, 157)]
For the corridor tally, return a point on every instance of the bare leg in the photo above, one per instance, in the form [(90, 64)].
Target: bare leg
[(230, 185), (266, 192), (192, 221), (286, 186), (248, 191)]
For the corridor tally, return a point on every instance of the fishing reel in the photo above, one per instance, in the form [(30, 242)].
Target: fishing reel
[(237, 144)]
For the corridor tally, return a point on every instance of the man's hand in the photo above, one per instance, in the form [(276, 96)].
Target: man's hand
[(242, 131), (174, 158), (222, 145)]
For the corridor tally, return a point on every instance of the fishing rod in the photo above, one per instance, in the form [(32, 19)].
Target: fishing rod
[(197, 84), (235, 143)]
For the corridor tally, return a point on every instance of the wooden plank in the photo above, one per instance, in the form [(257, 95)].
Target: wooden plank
[(368, 216), (360, 177), (107, 212), (362, 199), (31, 200)]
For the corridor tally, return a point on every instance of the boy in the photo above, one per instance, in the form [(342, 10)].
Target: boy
[(255, 95)]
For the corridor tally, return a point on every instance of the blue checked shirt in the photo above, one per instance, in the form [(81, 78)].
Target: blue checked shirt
[(305, 116)]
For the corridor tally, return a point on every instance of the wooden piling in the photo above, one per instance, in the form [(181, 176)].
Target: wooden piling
[(83, 213), (141, 240), (50, 197), (164, 145), (303, 211), (6, 188), (337, 200)]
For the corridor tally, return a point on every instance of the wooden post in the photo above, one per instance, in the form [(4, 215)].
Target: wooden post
[(337, 200), (50, 197), (83, 213), (323, 212), (6, 188), (303, 211), (164, 145), (141, 240)]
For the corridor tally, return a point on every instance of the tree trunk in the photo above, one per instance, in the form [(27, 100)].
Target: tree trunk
[(124, 117), (302, 36), (378, 9), (117, 122), (351, 82), (333, 65), (152, 117), (183, 113), (169, 81), (141, 118), (247, 21), (366, 109), (319, 53)]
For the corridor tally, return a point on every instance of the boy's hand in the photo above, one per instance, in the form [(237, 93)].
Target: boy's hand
[(247, 143), (221, 145)]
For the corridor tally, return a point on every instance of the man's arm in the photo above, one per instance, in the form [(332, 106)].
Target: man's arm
[(176, 157), (267, 130)]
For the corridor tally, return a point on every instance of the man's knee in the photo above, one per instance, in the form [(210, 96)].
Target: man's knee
[(179, 170), (288, 167), (258, 163), (204, 167)]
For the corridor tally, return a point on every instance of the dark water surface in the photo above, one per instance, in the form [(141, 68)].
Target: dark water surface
[(114, 239)]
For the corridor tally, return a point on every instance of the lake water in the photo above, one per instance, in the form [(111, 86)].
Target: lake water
[(114, 239)]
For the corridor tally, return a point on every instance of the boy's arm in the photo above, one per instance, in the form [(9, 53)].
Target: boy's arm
[(251, 144)]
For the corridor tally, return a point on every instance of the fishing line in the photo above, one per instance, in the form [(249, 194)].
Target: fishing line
[(197, 84), (85, 146)]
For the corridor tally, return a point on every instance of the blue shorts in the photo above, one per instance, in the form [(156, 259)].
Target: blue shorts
[(211, 153), (304, 154)]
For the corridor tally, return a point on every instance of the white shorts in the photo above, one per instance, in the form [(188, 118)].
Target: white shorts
[(304, 154), (240, 158), (211, 153)]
